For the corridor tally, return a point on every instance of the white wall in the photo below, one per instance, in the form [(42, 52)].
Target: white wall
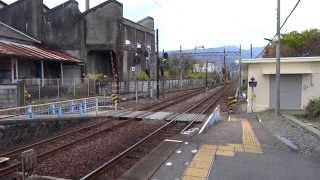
[(262, 91), (310, 85), (260, 71)]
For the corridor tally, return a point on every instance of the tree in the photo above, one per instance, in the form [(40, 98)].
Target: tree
[(295, 44)]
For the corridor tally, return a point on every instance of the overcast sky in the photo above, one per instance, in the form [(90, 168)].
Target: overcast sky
[(215, 22)]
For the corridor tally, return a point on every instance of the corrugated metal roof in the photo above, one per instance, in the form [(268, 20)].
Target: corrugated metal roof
[(34, 52)]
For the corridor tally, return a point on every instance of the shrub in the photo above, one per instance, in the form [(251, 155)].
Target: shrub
[(142, 76), (313, 109)]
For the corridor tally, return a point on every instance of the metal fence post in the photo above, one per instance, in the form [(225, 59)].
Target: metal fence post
[(99, 88), (85, 105), (60, 112), (30, 113), (136, 90), (142, 84), (94, 88), (58, 85), (39, 89), (72, 107), (74, 87), (97, 106), (88, 87)]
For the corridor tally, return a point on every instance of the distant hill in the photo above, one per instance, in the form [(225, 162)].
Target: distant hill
[(215, 55)]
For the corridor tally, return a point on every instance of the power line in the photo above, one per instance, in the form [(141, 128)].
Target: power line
[(157, 3), (295, 7), (285, 21)]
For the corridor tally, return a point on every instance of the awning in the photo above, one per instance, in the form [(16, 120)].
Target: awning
[(34, 52)]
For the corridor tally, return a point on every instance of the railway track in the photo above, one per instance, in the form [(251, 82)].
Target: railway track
[(171, 101), (51, 146), (119, 163)]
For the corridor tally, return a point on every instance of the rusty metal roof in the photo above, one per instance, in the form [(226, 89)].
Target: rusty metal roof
[(34, 52)]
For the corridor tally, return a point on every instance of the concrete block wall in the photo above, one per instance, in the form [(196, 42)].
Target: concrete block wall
[(13, 133), (8, 96)]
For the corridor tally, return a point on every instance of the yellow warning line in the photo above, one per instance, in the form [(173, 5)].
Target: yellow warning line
[(203, 161), (250, 141)]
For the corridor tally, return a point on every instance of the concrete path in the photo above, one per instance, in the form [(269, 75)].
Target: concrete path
[(239, 149)]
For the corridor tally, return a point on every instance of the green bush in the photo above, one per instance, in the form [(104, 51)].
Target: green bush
[(313, 109), (142, 76)]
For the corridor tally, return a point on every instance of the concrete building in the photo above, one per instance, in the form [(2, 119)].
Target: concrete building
[(101, 37), (300, 82), (203, 67), (23, 57), (2, 4)]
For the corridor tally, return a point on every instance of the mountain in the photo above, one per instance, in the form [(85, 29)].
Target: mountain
[(215, 55)]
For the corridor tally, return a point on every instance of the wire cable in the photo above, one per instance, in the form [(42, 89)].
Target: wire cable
[(285, 21)]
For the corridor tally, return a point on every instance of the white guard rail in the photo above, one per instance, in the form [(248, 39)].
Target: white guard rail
[(213, 118)]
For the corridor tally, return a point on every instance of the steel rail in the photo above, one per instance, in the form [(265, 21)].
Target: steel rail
[(215, 94), (12, 168), (171, 101), (49, 140), (101, 168)]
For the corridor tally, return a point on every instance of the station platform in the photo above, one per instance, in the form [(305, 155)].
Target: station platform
[(238, 148)]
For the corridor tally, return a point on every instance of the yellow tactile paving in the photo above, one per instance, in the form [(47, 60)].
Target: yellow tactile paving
[(226, 148), (225, 153), (237, 147), (203, 157), (200, 164), (203, 161), (192, 178), (250, 141), (207, 151), (195, 172), (208, 146)]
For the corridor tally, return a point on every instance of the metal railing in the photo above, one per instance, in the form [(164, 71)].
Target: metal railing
[(58, 109), (41, 91)]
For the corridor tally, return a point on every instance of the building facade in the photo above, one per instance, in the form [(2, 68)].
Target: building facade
[(105, 41), (299, 82)]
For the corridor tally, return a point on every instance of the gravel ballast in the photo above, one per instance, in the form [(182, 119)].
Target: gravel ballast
[(306, 142)]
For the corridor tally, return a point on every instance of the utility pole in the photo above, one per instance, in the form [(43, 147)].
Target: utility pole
[(240, 69), (181, 67), (162, 76), (207, 75), (158, 64), (224, 66), (278, 54), (251, 53)]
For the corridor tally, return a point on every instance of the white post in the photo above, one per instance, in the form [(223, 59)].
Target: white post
[(42, 73), (12, 70), (61, 70)]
